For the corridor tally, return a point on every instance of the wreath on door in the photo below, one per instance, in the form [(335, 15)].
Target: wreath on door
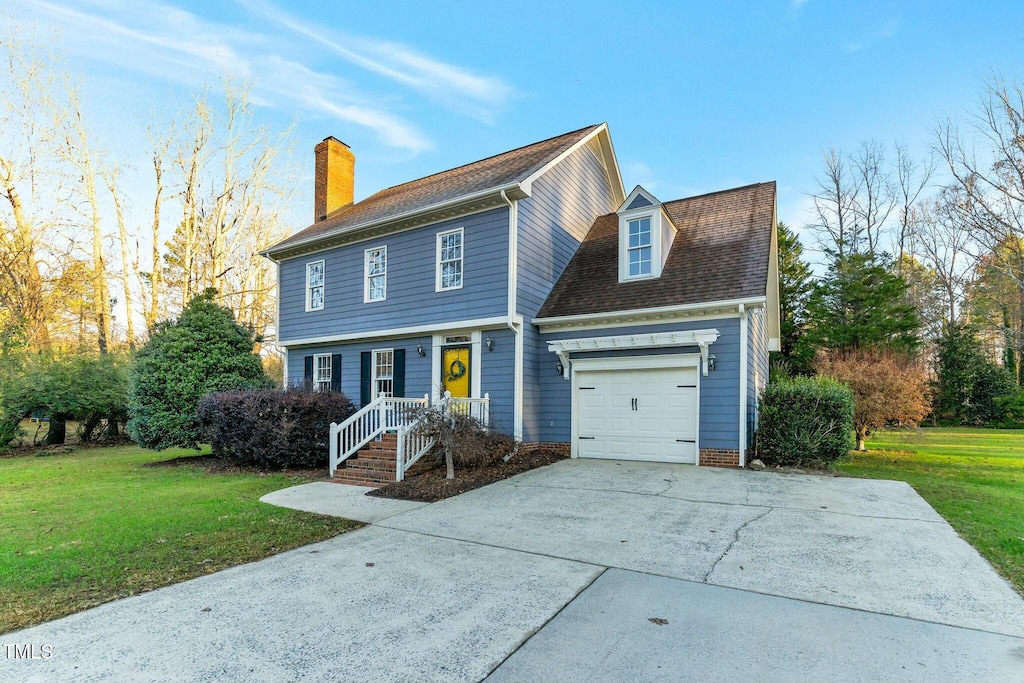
[(456, 370)]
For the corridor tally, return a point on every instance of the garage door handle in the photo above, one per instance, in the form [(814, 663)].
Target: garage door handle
[(588, 438), (686, 386), (686, 440)]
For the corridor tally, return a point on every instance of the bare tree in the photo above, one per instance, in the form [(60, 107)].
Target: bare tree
[(110, 177), (875, 198), (944, 240), (834, 205), (912, 178)]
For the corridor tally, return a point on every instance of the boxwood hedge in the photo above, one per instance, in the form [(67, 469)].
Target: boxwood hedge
[(805, 421)]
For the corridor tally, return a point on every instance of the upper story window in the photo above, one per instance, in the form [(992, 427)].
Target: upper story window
[(315, 286), (375, 274), (646, 235), (322, 372), (639, 250), (449, 260)]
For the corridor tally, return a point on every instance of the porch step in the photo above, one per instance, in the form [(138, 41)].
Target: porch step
[(375, 465)]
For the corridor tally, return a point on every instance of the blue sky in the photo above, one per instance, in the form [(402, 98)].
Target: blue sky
[(699, 96)]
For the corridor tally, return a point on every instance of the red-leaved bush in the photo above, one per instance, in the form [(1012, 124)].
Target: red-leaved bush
[(273, 429)]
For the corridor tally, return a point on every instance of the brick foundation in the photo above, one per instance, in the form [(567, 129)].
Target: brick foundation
[(552, 445), (719, 457)]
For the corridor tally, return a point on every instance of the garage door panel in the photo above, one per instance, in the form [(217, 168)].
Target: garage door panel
[(644, 414)]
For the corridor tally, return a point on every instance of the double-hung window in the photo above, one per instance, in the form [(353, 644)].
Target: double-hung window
[(315, 286), (322, 372), (449, 260), (639, 248), (375, 274), (383, 373)]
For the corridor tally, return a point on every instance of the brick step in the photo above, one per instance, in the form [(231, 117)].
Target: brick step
[(376, 453), (358, 481)]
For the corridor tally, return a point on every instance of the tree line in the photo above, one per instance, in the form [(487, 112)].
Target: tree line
[(81, 277), (924, 273)]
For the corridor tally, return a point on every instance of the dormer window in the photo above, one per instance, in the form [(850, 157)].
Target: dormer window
[(640, 247), (646, 234)]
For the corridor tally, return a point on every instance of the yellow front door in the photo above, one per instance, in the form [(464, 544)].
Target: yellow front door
[(455, 370)]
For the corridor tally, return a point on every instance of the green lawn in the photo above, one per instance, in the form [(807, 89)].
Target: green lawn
[(84, 528), (972, 477)]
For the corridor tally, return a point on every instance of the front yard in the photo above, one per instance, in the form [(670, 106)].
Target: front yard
[(80, 529), (972, 477)]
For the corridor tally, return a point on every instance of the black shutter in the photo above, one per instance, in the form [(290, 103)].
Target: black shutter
[(308, 377), (398, 373), (364, 377), (336, 373)]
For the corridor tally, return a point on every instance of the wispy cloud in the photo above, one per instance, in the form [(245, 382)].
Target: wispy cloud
[(161, 41), (400, 63), (886, 31)]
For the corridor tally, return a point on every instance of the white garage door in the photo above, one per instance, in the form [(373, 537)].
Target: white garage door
[(648, 414)]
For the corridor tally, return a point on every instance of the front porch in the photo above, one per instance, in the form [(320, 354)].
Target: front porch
[(387, 440)]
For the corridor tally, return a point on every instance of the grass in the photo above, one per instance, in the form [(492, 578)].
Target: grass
[(972, 477), (80, 529)]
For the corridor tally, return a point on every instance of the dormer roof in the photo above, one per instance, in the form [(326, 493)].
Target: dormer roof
[(721, 252)]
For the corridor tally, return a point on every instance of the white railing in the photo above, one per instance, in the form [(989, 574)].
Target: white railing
[(403, 416), (414, 442), (383, 414)]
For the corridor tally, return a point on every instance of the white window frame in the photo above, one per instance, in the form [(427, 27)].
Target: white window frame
[(461, 260), (649, 246), (318, 383), (311, 287), (374, 377), (367, 289)]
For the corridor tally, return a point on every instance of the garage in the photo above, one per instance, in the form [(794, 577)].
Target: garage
[(637, 409)]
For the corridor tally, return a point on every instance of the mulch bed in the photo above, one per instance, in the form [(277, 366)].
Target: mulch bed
[(431, 486), (217, 465)]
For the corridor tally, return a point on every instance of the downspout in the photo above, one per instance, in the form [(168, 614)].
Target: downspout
[(743, 385), (512, 323)]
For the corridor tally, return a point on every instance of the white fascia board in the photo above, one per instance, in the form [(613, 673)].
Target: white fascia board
[(478, 323), (511, 188), (632, 316), (611, 163)]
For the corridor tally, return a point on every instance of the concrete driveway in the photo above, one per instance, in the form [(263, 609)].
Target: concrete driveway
[(585, 570)]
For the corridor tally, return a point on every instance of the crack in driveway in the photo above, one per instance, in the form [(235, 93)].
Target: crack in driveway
[(735, 538)]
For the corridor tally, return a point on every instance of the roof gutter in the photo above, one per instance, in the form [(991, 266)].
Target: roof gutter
[(750, 302), (502, 191)]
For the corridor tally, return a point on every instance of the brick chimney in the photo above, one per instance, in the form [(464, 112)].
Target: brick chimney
[(335, 177)]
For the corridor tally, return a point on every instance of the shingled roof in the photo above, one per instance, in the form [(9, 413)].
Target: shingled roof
[(494, 172), (720, 253)]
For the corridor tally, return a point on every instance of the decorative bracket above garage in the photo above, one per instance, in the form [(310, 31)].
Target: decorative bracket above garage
[(702, 339)]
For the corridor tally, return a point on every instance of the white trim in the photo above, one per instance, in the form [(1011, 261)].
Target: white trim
[(668, 360), (638, 190), (479, 323), (743, 386), (366, 274), (653, 230), (322, 285), (316, 367), (438, 286), (373, 371), (284, 368), (515, 321), (648, 340), (527, 185), (630, 316), (475, 361)]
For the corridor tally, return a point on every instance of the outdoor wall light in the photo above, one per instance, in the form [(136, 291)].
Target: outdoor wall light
[(558, 366), (489, 343), (419, 350), (711, 362)]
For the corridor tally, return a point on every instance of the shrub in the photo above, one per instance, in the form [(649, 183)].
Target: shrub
[(273, 429), (888, 388), (201, 352), (804, 421)]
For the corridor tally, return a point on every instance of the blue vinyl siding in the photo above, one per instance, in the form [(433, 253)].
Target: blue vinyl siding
[(719, 391), (497, 377), (757, 366), (552, 222), (411, 299), (417, 369)]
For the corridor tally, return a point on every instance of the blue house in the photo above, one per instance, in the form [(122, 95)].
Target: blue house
[(530, 289)]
